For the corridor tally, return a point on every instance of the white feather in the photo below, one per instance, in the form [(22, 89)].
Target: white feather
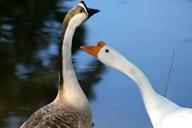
[(163, 112)]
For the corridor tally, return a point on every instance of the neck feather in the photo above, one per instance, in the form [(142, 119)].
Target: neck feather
[(139, 78), (156, 105), (70, 89)]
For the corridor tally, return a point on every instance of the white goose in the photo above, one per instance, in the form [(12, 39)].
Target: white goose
[(70, 109), (163, 112)]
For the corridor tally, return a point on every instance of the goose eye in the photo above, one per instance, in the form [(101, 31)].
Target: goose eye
[(106, 50), (81, 10)]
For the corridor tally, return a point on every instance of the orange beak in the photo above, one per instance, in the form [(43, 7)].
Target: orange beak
[(93, 50)]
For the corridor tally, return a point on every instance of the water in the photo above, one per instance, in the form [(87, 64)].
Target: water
[(145, 31)]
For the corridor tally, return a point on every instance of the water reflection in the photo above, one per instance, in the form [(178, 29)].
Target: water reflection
[(28, 51)]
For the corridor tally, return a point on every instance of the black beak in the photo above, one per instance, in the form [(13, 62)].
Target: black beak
[(92, 11)]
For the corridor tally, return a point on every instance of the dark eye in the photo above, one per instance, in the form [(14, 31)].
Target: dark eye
[(81, 10), (106, 50)]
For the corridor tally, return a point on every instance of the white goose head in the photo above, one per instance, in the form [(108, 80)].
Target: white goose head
[(105, 54)]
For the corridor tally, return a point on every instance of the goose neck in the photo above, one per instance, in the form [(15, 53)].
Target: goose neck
[(70, 91)]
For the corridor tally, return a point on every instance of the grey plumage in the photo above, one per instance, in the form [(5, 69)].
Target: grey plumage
[(55, 115)]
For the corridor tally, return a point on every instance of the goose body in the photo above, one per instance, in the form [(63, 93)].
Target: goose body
[(70, 109), (162, 112)]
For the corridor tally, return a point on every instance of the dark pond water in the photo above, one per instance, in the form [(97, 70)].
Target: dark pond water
[(145, 31)]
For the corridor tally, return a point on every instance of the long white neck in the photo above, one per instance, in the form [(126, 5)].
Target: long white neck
[(156, 105), (70, 89)]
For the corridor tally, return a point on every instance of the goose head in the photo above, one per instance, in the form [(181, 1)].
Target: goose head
[(79, 14), (105, 54)]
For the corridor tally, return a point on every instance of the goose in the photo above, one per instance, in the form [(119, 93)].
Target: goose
[(162, 112), (70, 109)]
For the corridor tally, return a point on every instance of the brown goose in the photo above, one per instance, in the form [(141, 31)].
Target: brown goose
[(70, 109)]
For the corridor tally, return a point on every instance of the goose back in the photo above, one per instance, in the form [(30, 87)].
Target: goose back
[(55, 115)]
